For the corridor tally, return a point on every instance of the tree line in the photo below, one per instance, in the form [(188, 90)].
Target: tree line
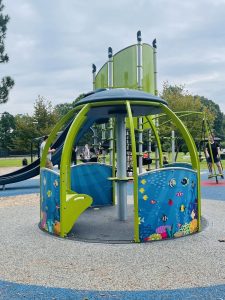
[(181, 100), (19, 131)]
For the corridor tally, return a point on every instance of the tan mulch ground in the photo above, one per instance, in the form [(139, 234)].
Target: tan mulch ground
[(6, 170), (20, 200)]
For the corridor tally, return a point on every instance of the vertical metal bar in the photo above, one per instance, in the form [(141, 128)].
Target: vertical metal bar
[(149, 146), (110, 85), (173, 146), (139, 61), (128, 152), (155, 66), (111, 141), (156, 93), (156, 135), (94, 128), (110, 68), (114, 166), (94, 136), (103, 141), (94, 75), (156, 146), (121, 167), (140, 144), (139, 85)]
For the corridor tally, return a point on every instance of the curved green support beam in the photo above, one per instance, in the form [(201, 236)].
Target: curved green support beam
[(184, 115), (154, 129), (67, 148), (186, 135), (192, 150), (65, 170), (53, 135), (135, 174)]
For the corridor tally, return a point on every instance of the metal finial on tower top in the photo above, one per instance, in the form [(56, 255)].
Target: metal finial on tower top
[(139, 36), (154, 43), (110, 52), (93, 68)]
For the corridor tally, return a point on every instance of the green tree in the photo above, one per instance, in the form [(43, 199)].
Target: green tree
[(7, 82), (180, 100), (7, 127), (27, 127), (44, 116), (219, 122), (62, 109), (81, 96), (25, 131)]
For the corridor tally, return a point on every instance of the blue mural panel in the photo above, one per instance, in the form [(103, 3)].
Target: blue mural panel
[(167, 203), (92, 179), (50, 201)]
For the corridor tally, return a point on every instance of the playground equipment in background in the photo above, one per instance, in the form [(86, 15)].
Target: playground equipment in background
[(166, 201), (205, 134)]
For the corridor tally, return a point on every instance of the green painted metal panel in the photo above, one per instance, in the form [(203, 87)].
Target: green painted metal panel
[(148, 69), (125, 68), (101, 79)]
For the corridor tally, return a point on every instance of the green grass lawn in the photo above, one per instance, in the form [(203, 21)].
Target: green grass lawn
[(17, 162), (13, 161)]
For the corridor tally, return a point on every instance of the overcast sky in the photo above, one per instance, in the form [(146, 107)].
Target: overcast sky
[(53, 43)]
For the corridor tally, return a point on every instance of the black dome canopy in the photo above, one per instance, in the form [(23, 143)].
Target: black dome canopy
[(106, 103), (119, 94)]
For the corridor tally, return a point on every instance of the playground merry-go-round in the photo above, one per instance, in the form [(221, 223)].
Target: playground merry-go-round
[(91, 201)]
